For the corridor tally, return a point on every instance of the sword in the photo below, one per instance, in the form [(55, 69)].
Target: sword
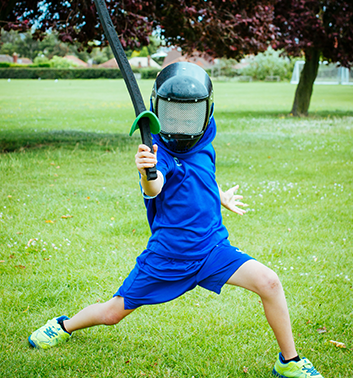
[(145, 120)]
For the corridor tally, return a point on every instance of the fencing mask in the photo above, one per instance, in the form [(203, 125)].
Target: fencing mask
[(182, 98)]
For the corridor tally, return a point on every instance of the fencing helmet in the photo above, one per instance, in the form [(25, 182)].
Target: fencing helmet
[(182, 99)]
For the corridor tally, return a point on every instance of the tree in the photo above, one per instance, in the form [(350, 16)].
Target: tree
[(222, 27), (319, 29), (77, 21), (22, 44), (219, 28)]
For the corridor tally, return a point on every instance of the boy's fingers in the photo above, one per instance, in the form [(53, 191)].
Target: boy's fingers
[(143, 147), (240, 204)]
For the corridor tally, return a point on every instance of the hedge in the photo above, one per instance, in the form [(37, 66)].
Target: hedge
[(71, 73)]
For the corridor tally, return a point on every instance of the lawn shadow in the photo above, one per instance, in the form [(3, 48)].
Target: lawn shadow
[(280, 114), (20, 140)]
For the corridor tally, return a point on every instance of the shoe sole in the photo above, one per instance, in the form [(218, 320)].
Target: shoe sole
[(274, 372), (31, 342)]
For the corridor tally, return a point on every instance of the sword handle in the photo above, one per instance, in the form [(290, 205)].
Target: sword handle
[(147, 140)]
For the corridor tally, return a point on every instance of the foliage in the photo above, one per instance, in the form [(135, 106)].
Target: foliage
[(326, 25), (22, 44), (269, 63), (219, 28), (224, 67), (41, 61), (41, 71), (77, 21), (59, 62), (60, 73), (26, 46), (15, 42), (148, 72), (101, 55)]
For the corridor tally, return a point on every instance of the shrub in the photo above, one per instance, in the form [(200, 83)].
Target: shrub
[(59, 62), (56, 73), (41, 61), (149, 73), (269, 63)]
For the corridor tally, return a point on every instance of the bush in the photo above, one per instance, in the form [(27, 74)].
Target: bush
[(5, 64), (40, 61), (56, 73), (59, 62), (35, 65), (269, 63), (41, 71), (148, 73)]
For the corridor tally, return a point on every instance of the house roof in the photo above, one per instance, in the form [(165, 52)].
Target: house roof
[(143, 62), (76, 60), (24, 61), (6, 58), (133, 62), (202, 60), (111, 63)]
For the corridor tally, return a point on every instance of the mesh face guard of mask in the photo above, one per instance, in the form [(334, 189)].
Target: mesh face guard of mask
[(182, 99), (182, 123)]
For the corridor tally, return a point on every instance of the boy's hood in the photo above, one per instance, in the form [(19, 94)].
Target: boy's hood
[(206, 139)]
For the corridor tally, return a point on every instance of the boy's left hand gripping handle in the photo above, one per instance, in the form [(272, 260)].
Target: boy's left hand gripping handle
[(147, 140)]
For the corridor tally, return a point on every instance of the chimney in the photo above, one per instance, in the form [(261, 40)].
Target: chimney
[(14, 56), (148, 61)]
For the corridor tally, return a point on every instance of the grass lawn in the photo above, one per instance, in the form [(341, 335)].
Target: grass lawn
[(72, 222)]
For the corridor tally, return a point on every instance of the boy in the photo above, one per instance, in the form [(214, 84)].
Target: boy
[(189, 244)]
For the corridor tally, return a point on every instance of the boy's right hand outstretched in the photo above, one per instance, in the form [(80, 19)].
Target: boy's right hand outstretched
[(146, 159)]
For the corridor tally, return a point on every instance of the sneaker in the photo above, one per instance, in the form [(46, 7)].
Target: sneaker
[(49, 335), (302, 369)]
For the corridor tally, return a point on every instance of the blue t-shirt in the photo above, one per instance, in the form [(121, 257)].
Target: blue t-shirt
[(185, 218)]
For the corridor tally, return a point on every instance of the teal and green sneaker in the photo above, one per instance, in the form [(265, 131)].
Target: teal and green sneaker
[(49, 335), (302, 369)]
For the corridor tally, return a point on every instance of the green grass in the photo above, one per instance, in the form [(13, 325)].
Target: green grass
[(65, 152)]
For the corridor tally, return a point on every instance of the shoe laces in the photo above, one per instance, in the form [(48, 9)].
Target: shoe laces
[(309, 368)]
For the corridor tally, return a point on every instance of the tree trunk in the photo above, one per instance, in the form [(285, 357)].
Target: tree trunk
[(305, 87)]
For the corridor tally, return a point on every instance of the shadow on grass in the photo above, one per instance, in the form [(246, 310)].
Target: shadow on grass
[(280, 114), (19, 140)]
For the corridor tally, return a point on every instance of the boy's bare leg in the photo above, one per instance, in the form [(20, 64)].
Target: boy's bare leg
[(256, 277), (108, 313)]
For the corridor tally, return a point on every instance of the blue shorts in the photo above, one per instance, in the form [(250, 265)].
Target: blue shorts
[(157, 279)]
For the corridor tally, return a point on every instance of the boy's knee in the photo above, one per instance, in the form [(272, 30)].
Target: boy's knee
[(269, 284), (114, 311), (111, 317)]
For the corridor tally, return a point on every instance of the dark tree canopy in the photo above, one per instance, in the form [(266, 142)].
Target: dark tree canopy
[(222, 28), (77, 21), (324, 25), (219, 28)]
